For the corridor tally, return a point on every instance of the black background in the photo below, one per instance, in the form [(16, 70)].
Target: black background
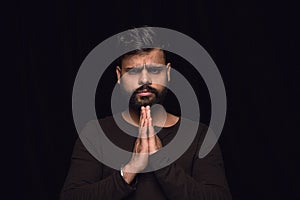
[(255, 45)]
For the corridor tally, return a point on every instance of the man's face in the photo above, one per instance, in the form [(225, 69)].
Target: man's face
[(143, 76)]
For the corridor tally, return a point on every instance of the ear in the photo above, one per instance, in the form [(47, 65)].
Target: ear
[(168, 71), (118, 72)]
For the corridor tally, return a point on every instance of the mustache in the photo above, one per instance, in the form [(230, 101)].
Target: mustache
[(146, 87)]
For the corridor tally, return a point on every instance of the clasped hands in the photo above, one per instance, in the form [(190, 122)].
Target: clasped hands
[(146, 144)]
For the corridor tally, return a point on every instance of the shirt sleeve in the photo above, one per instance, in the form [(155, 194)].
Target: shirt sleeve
[(84, 180), (207, 180)]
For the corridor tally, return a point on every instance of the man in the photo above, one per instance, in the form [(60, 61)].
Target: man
[(142, 76)]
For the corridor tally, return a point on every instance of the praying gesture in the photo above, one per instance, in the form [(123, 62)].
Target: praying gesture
[(146, 144)]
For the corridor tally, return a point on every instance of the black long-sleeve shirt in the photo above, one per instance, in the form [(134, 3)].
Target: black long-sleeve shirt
[(187, 178)]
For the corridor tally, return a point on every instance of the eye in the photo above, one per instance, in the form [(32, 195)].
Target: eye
[(154, 70), (133, 71)]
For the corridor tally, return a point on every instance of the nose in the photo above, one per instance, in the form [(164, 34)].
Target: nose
[(144, 77)]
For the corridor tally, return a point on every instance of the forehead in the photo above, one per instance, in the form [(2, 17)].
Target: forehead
[(148, 57)]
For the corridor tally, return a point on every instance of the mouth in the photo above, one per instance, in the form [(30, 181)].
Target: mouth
[(144, 93)]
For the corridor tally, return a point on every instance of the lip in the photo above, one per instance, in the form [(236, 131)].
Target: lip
[(144, 93)]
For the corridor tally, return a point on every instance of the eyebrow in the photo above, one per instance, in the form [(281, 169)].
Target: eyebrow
[(147, 66)]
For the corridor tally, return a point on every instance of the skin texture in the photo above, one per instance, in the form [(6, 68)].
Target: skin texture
[(135, 74)]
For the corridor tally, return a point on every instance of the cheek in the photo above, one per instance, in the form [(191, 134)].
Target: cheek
[(159, 88), (160, 81), (129, 84), (160, 84)]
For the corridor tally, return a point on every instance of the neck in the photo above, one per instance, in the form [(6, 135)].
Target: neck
[(132, 115)]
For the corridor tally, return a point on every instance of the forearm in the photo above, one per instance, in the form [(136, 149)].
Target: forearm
[(204, 179), (86, 181), (112, 187), (178, 185)]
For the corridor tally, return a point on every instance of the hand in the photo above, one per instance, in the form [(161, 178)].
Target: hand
[(154, 143), (146, 144), (139, 159)]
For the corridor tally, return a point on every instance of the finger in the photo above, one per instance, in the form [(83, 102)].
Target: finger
[(142, 113), (151, 131), (154, 141), (143, 132), (142, 145), (143, 128), (144, 141), (142, 122), (136, 146), (148, 114), (148, 118)]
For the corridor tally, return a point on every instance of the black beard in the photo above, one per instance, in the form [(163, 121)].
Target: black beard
[(157, 99)]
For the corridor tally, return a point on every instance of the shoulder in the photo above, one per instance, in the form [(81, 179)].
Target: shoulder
[(205, 139), (201, 127)]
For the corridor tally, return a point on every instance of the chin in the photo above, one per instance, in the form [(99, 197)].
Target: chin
[(137, 104)]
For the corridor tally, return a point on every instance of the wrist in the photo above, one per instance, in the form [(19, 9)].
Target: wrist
[(126, 173)]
